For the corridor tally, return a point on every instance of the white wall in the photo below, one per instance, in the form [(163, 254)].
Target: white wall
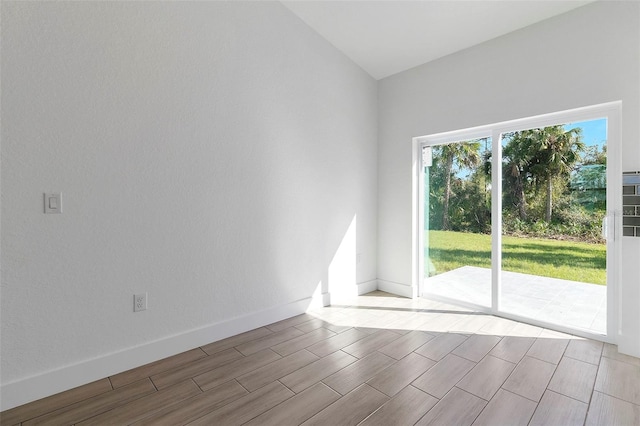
[(211, 154), (585, 57)]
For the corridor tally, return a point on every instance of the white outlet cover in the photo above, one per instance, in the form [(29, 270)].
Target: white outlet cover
[(139, 302)]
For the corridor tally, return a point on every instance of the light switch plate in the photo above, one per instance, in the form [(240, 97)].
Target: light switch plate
[(53, 203)]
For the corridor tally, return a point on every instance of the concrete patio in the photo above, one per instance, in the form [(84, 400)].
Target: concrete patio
[(568, 303)]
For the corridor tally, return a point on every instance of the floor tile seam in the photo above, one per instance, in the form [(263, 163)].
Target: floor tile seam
[(290, 319), (237, 378), (595, 377), (574, 399), (451, 351), (554, 375), (541, 360), (131, 399), (371, 414), (515, 364), (232, 380), (156, 387), (478, 363), (620, 360), (312, 330), (485, 355), (616, 397), (205, 354), (253, 367), (308, 321), (455, 385), (555, 367), (521, 396), (470, 393), (177, 368), (283, 401), (22, 420), (366, 380), (396, 360), (305, 347), (356, 387), (345, 327), (268, 347), (294, 392), (151, 412), (571, 397), (226, 401), (293, 353), (420, 389), (223, 403), (32, 416), (381, 391), (324, 378), (330, 353), (429, 410), (270, 408), (377, 349), (390, 399), (582, 360), (532, 356), (194, 382), (593, 390), (235, 346), (391, 365)]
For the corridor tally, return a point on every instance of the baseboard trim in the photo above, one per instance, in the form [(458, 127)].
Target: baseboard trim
[(367, 287), (397, 289), (52, 382), (321, 300)]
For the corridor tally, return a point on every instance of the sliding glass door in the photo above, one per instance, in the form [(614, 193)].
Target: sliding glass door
[(517, 219), (457, 220)]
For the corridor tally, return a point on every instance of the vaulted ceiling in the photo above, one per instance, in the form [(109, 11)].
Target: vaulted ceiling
[(387, 37)]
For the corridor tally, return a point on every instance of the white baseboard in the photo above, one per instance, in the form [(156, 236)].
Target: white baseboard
[(321, 300), (52, 382), (367, 287), (397, 289)]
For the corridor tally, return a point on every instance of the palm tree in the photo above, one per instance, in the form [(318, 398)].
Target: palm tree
[(555, 152), (462, 154), (517, 157)]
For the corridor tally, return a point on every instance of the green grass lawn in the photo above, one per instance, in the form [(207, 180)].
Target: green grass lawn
[(567, 260)]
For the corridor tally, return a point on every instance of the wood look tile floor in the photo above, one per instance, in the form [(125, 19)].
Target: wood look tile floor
[(375, 360)]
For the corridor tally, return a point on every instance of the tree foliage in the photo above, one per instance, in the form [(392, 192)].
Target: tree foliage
[(541, 172), (457, 182), (543, 155)]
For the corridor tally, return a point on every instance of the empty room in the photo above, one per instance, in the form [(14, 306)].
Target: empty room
[(320, 212)]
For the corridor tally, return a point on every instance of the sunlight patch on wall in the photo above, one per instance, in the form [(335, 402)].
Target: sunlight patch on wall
[(342, 269)]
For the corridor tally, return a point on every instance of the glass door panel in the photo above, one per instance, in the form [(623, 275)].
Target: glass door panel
[(457, 221), (553, 211)]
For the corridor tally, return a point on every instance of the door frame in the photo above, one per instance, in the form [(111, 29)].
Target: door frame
[(612, 112)]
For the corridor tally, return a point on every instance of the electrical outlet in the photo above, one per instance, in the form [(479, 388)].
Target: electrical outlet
[(139, 302)]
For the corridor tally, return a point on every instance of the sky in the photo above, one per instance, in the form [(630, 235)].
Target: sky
[(594, 132)]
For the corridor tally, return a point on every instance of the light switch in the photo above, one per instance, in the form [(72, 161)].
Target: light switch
[(53, 203)]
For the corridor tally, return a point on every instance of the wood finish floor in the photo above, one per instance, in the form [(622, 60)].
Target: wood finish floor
[(377, 360)]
